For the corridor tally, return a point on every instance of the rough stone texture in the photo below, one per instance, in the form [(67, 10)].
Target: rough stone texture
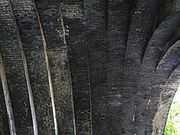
[(125, 90), (32, 41), (4, 129), (79, 64), (113, 66), (10, 46), (96, 22), (54, 31)]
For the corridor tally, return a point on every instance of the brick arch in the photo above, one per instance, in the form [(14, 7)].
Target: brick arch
[(88, 67)]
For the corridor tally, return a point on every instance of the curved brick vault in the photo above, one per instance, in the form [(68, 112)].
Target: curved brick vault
[(88, 67)]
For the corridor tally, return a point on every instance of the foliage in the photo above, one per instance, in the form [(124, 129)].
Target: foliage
[(173, 122), (170, 128)]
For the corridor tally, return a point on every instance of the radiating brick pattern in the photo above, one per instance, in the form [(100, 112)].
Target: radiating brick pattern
[(11, 49), (91, 67), (32, 41)]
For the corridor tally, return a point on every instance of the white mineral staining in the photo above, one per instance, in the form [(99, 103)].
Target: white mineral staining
[(72, 11)]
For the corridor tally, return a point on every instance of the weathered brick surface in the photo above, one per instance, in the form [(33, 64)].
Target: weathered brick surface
[(54, 30), (11, 48), (32, 41), (4, 128), (113, 65), (79, 64)]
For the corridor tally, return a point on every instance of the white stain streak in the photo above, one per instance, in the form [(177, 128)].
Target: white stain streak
[(149, 101), (31, 100), (133, 119), (64, 40), (7, 98), (134, 114), (49, 77), (30, 93)]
